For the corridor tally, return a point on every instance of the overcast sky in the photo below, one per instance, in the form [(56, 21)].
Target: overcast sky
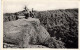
[(11, 6)]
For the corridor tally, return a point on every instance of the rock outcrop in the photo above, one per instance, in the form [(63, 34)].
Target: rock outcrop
[(24, 32)]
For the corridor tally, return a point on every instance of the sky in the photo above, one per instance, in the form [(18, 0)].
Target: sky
[(11, 6)]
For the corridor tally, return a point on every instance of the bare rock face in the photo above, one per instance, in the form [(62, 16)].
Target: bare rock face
[(24, 32)]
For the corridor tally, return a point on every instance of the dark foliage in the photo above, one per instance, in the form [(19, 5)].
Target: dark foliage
[(53, 43), (62, 24)]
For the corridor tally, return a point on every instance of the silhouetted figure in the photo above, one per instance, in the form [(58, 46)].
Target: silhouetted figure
[(31, 14), (26, 9), (26, 15)]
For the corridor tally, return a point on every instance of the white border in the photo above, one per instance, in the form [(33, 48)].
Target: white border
[(1, 30)]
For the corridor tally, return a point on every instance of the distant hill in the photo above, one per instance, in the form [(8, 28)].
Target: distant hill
[(62, 24)]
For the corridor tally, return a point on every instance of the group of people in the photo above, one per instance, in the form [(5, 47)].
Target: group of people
[(28, 13)]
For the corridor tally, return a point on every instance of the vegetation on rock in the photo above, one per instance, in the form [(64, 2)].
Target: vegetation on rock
[(61, 24)]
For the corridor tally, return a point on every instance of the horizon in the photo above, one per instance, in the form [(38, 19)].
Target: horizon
[(12, 6), (44, 10)]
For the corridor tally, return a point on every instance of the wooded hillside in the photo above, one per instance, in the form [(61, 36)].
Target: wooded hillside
[(61, 24)]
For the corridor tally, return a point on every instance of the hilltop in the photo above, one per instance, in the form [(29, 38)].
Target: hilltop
[(61, 24)]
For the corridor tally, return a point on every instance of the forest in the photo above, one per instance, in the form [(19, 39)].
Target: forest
[(61, 24)]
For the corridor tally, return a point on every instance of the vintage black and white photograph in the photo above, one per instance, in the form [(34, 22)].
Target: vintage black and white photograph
[(40, 24)]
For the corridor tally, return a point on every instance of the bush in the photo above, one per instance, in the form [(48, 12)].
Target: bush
[(53, 43)]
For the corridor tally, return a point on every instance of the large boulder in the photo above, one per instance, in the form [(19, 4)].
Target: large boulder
[(24, 32)]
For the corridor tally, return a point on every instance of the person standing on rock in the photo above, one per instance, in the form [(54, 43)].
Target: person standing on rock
[(26, 13), (32, 13), (29, 14)]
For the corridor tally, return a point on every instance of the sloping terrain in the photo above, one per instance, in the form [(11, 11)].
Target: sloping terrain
[(26, 33), (61, 24)]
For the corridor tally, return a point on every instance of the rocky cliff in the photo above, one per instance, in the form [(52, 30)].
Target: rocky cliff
[(26, 33)]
